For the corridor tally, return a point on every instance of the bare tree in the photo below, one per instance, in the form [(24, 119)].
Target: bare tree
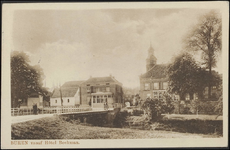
[(206, 37)]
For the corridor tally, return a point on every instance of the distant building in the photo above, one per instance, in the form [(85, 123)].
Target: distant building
[(97, 90), (70, 92), (34, 98), (154, 82)]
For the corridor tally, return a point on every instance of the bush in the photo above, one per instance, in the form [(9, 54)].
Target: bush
[(203, 107), (97, 120), (155, 107), (120, 119), (194, 126)]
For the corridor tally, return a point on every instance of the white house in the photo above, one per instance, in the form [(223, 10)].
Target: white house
[(70, 92), (34, 98)]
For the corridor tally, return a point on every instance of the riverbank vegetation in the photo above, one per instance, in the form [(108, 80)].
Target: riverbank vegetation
[(62, 128)]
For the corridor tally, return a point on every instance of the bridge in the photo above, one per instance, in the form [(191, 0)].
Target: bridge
[(56, 110), (26, 114)]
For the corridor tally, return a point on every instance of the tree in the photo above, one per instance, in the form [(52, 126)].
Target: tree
[(25, 78), (168, 103), (155, 107), (206, 37), (185, 76)]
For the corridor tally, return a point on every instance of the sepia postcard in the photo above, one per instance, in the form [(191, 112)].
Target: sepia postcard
[(114, 75)]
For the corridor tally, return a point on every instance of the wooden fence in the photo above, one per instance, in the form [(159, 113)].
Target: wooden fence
[(47, 110)]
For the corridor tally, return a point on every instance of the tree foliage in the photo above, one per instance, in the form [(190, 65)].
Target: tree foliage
[(25, 79), (155, 107), (206, 38), (185, 76)]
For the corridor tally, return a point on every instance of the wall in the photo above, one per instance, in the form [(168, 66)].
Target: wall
[(65, 101), (143, 92), (35, 100), (77, 97)]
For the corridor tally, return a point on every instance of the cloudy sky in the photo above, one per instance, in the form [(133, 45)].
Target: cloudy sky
[(76, 44)]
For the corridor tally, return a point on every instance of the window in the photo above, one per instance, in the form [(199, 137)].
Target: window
[(102, 100), (148, 95), (109, 96), (98, 99), (97, 89), (155, 95), (165, 85), (156, 86), (160, 95), (94, 99), (176, 97), (195, 96), (107, 84), (107, 89), (94, 90), (88, 89), (68, 100), (214, 87), (187, 97), (103, 89), (88, 85), (55, 101), (147, 86)]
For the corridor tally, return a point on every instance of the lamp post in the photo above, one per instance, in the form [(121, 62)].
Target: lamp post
[(61, 96)]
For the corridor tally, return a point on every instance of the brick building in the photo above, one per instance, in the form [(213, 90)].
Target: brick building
[(97, 90), (154, 82)]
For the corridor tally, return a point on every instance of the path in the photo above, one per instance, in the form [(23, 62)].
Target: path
[(18, 119)]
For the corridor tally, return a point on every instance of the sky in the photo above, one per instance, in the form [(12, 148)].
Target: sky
[(73, 45)]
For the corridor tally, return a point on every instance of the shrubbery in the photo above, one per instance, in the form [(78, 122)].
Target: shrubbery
[(137, 112), (200, 107), (155, 107), (194, 126), (120, 119)]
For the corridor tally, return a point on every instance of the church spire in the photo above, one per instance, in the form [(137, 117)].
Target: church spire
[(151, 50), (151, 60)]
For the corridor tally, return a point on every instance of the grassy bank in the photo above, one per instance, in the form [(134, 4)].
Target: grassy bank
[(59, 128)]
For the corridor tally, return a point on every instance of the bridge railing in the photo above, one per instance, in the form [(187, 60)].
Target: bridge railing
[(47, 110), (60, 110), (21, 111)]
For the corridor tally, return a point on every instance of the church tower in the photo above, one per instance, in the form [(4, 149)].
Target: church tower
[(151, 59)]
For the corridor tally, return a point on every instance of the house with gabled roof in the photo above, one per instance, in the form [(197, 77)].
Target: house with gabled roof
[(70, 93), (99, 90), (154, 82)]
